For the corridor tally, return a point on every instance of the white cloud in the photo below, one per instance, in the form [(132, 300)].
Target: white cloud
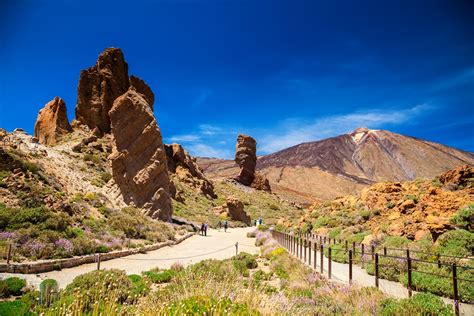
[(185, 138), (203, 150)]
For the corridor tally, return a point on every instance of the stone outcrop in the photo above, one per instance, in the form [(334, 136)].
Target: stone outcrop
[(246, 158), (459, 177), (139, 165), (52, 122), (100, 85), (260, 183), (187, 170), (234, 209), (142, 88)]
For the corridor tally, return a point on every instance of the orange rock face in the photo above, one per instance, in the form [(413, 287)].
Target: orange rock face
[(235, 209), (52, 122), (98, 88), (100, 85), (187, 170), (139, 165), (246, 158)]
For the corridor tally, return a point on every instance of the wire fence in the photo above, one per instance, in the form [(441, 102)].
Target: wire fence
[(306, 248)]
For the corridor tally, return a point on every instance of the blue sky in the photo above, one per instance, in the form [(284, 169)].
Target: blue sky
[(284, 72)]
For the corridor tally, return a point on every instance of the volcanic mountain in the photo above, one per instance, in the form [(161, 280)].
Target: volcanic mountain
[(346, 163)]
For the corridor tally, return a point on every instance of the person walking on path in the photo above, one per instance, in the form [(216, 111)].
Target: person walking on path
[(225, 226), (202, 229), (205, 229), (219, 226)]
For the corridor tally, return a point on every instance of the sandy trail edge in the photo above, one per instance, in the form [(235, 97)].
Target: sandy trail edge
[(216, 245)]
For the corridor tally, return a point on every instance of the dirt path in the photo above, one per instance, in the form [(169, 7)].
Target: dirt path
[(216, 245), (340, 273)]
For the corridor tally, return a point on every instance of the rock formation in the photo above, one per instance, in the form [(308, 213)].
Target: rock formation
[(187, 170), (459, 177), (246, 158), (139, 166), (100, 85), (234, 209), (52, 122)]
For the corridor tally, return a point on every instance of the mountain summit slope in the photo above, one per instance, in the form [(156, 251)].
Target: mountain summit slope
[(374, 155), (345, 164)]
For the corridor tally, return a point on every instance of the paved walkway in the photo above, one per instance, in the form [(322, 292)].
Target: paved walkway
[(340, 273), (216, 245)]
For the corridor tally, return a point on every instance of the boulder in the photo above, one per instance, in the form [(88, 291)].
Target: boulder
[(459, 177), (139, 165), (187, 170), (234, 209), (246, 158), (52, 122), (260, 182)]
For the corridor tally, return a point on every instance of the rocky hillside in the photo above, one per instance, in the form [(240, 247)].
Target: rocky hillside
[(413, 209), (347, 163)]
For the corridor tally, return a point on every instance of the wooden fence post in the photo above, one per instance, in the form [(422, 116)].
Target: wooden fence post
[(98, 261), (455, 290), (309, 252), (321, 249), (305, 248), (346, 245), (236, 248), (372, 249), (409, 273), (354, 248), (315, 258), (9, 253), (377, 270), (329, 262), (350, 266), (384, 251), (301, 247)]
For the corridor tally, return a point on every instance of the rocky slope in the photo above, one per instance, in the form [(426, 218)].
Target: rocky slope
[(412, 209), (347, 163)]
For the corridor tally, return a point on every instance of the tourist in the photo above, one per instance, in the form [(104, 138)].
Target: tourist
[(225, 226), (205, 229), (202, 229)]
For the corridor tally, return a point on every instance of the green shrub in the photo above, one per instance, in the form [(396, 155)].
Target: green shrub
[(140, 286), (98, 285), (414, 198), (14, 286), (457, 242), (14, 308), (365, 214), (259, 276), (208, 306), (420, 304), (244, 261), (160, 276), (390, 205), (464, 218)]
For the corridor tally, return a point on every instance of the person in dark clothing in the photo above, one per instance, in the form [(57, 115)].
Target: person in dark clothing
[(202, 229), (219, 226), (205, 229), (225, 226)]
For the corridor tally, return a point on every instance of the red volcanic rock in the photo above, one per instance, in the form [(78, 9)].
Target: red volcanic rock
[(139, 165), (246, 158), (187, 170), (98, 88), (52, 122), (234, 209), (142, 88), (459, 177), (260, 182)]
